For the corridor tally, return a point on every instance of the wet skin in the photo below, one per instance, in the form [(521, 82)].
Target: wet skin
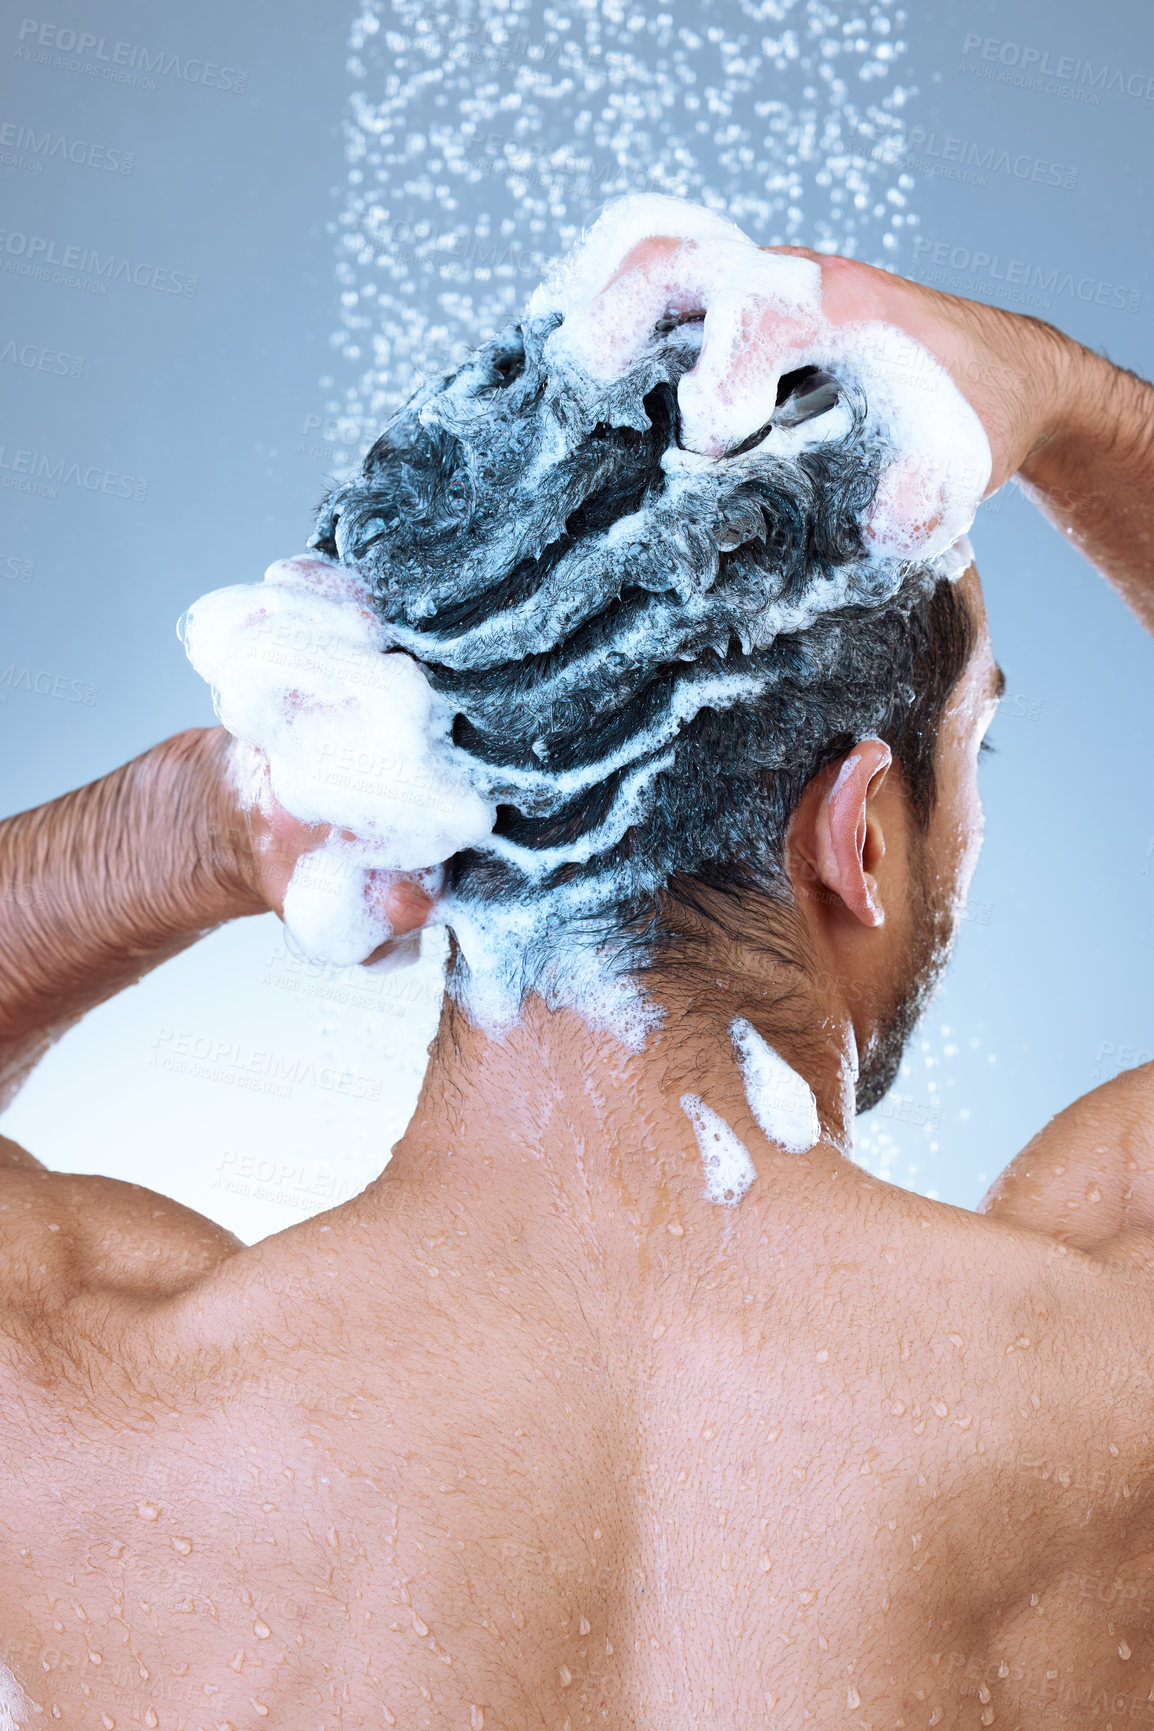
[(530, 1434)]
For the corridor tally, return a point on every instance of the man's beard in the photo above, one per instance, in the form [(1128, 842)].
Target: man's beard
[(931, 941)]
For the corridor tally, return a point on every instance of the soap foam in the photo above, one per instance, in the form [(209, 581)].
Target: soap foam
[(454, 554), (762, 319), (355, 738), (780, 1099), (729, 1170)]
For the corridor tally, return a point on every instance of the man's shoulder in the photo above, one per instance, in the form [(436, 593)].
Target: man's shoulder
[(1087, 1178), (68, 1236)]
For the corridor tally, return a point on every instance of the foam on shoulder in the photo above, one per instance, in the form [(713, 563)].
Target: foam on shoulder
[(729, 1170), (780, 1099)]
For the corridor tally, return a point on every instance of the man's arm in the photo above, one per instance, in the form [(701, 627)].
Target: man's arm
[(103, 884), (1091, 471)]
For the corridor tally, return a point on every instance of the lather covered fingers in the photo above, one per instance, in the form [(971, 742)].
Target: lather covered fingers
[(350, 797), (779, 329)]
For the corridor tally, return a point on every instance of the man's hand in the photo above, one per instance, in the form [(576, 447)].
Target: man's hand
[(1010, 369), (1076, 431), (271, 841), (102, 885)]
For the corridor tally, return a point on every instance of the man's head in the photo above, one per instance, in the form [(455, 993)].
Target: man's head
[(880, 851), (652, 659)]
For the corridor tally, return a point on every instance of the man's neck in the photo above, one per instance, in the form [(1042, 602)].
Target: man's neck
[(561, 1135)]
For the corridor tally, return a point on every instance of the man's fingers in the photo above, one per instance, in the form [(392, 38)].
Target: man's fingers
[(658, 279), (748, 344), (405, 901), (314, 576)]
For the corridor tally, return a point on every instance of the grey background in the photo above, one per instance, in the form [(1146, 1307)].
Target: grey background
[(259, 1090)]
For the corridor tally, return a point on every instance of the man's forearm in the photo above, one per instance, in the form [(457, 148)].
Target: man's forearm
[(103, 884), (1092, 472)]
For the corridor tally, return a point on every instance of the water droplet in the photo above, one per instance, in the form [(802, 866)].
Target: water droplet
[(96, 1658), (852, 1698), (259, 1707), (261, 1629), (983, 1693), (766, 1563), (597, 1532), (566, 1676), (148, 1511), (476, 1719), (184, 1546), (419, 1624), (584, 1625), (608, 1645), (150, 1718), (806, 1596), (988, 1716), (1123, 1650), (390, 1717), (708, 1433), (676, 1228)]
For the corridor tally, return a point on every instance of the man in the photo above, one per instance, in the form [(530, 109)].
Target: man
[(532, 1433)]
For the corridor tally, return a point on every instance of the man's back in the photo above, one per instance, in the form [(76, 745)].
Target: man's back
[(848, 1454), (537, 1432)]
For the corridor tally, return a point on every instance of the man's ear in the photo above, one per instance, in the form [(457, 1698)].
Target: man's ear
[(842, 843)]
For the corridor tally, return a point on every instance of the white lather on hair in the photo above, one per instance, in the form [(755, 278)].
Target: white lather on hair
[(350, 708)]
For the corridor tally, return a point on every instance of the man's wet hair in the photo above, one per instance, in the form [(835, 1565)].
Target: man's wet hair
[(648, 654)]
